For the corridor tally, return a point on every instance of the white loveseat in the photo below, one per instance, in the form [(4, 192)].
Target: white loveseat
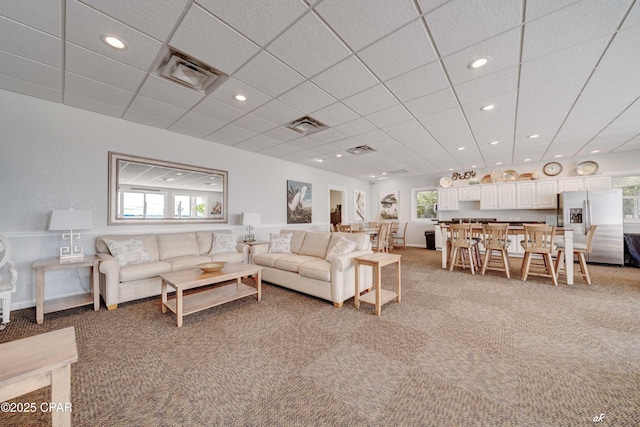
[(305, 269), (154, 255)]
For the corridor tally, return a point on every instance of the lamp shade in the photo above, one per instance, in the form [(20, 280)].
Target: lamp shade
[(70, 220), (250, 218)]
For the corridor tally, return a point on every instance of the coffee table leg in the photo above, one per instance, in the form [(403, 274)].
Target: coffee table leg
[(39, 295), (164, 297), (259, 284), (356, 297), (179, 307)]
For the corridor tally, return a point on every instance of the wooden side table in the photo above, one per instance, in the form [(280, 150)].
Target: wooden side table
[(378, 296), (73, 301), (35, 362), (251, 244)]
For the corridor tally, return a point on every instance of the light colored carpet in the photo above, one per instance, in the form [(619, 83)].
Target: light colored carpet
[(459, 350)]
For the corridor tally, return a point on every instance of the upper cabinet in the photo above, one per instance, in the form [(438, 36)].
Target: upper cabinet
[(470, 193), (448, 199), (598, 182), (547, 194), (571, 184), (526, 195), (498, 196)]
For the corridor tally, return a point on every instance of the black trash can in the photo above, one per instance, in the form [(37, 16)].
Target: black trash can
[(431, 239)]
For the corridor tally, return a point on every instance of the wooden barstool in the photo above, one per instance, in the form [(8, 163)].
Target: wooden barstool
[(538, 239), (464, 247), (495, 238), (579, 249)]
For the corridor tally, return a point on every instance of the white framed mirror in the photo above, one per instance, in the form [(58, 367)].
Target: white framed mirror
[(150, 191)]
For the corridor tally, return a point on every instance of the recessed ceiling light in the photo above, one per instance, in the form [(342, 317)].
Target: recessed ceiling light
[(338, 155), (533, 136), (373, 176), (595, 151), (488, 107), (494, 142), (113, 41), (480, 62), (526, 160), (474, 166), (460, 148), (318, 160), (498, 163), (384, 173), (558, 155), (450, 169), (239, 97)]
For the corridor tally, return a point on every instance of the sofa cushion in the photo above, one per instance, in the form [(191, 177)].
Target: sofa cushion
[(143, 270), (128, 251), (224, 243), (280, 243), (173, 245), (227, 257), (344, 246), (320, 270), (149, 240), (292, 262), (362, 240), (187, 262), (296, 239), (315, 244), (268, 259), (204, 238)]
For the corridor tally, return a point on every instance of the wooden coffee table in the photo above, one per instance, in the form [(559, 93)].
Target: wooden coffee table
[(182, 305)]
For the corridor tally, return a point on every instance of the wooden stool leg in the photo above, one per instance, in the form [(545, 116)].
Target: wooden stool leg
[(559, 260), (583, 268), (549, 264), (505, 261), (487, 257), (526, 263)]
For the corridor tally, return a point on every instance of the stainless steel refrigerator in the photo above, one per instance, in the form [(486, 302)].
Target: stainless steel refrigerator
[(581, 209)]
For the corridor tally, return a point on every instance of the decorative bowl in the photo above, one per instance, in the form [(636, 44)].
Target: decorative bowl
[(445, 181), (587, 168), (509, 175), (212, 267), (525, 177)]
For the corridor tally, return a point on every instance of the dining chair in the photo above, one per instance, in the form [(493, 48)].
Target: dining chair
[(579, 249), (538, 240), (355, 226), (398, 237), (373, 224), (8, 279), (495, 238), (381, 242), (464, 247), (344, 228)]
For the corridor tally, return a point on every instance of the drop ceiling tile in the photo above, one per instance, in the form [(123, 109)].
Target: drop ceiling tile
[(318, 138), (461, 23), (572, 25), (258, 21), (633, 18), (361, 22), (355, 127), (218, 110), (410, 131), (268, 74), (43, 15), (373, 137), (390, 116), (398, 53), (196, 125), (537, 9), (97, 91), (231, 87), (432, 103), (488, 87), (419, 82), (230, 135), (84, 27), (371, 100), (279, 150), (346, 78), (307, 98), (277, 112), (494, 125), (335, 114), (25, 69), (308, 47), (151, 107), (169, 92), (449, 127), (100, 68), (503, 49), (93, 105), (33, 44), (254, 123), (282, 134), (204, 37), (145, 119), (27, 88), (257, 143)]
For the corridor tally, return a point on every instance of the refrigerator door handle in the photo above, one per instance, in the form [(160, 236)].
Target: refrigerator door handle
[(587, 224)]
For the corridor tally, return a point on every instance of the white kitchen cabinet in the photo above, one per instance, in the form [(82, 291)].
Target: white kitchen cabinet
[(574, 184), (500, 196), (470, 193), (547, 194), (526, 195), (448, 199), (598, 183)]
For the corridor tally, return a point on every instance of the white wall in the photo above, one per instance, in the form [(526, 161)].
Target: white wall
[(56, 157)]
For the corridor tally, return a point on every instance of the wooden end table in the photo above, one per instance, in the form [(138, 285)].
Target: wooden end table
[(42, 306), (182, 305), (378, 296)]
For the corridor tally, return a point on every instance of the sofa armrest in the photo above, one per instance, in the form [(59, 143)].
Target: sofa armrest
[(343, 262), (244, 250), (260, 249), (110, 278)]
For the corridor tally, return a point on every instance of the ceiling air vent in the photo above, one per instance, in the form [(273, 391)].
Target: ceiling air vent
[(189, 72), (363, 149), (306, 125)]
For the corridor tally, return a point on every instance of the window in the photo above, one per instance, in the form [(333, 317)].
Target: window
[(630, 186), (189, 206), (423, 204), (141, 205)]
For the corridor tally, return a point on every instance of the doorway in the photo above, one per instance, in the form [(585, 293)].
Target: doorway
[(337, 205)]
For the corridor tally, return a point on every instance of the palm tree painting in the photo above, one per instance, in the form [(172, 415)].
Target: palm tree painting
[(298, 202)]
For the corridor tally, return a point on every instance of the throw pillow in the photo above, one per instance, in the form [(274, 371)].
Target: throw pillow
[(224, 243), (129, 251), (280, 243), (344, 246)]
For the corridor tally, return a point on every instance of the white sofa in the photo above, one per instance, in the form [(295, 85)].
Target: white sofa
[(306, 270), (162, 253)]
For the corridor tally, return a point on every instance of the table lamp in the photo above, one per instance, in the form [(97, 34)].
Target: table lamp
[(250, 219), (70, 220)]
